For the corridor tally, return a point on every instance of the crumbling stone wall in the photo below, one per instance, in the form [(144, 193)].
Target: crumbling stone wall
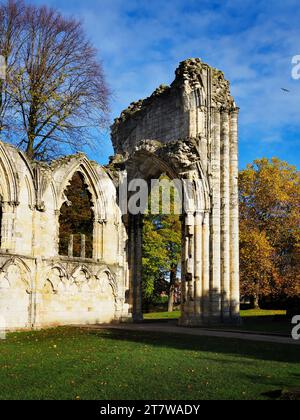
[(161, 116), (189, 130), (37, 286), (179, 111)]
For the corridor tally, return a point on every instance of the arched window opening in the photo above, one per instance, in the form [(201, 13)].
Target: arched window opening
[(76, 220), (161, 249)]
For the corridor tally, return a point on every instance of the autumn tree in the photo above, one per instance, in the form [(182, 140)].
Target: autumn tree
[(256, 264), (54, 95), (270, 229), (154, 258), (171, 234), (161, 245), (11, 18), (76, 218)]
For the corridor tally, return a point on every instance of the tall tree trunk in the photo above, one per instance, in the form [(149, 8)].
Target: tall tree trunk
[(29, 150), (256, 302), (173, 275), (255, 298)]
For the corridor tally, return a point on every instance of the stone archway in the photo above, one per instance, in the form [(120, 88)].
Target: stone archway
[(9, 195), (180, 161), (76, 220), (190, 131)]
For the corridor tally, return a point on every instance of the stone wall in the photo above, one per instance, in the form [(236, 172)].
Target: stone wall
[(176, 112), (37, 286), (189, 131), (161, 116)]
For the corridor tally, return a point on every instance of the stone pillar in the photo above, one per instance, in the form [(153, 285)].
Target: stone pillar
[(215, 285), (190, 265), (225, 215), (131, 264), (71, 246), (82, 246), (120, 314), (36, 293), (138, 311), (187, 271), (234, 218), (206, 267), (198, 264), (98, 239), (7, 227), (135, 266), (183, 270)]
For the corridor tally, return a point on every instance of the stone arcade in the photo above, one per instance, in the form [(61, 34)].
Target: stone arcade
[(188, 131)]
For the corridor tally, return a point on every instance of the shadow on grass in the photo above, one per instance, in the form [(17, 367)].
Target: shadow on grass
[(234, 347), (268, 324), (273, 324)]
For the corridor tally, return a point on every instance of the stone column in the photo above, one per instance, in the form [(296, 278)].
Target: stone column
[(190, 264), (7, 228), (131, 262), (183, 270), (225, 215), (38, 280), (82, 246), (234, 217), (139, 268), (198, 264), (136, 242), (215, 285), (98, 239), (187, 271), (206, 267), (71, 246)]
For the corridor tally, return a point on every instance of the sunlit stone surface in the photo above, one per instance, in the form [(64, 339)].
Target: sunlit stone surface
[(189, 131)]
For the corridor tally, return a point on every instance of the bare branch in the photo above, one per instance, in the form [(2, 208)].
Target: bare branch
[(55, 91)]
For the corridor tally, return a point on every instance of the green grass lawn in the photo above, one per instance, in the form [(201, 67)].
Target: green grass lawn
[(261, 313), (252, 320), (244, 314), (68, 363)]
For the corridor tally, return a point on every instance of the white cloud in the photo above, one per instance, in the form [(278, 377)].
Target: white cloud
[(142, 42)]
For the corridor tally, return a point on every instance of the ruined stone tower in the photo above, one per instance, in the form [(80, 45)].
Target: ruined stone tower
[(190, 131)]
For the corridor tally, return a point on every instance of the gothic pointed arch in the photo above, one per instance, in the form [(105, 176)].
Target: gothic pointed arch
[(81, 278), (94, 183), (179, 160), (56, 278), (82, 268), (77, 219), (106, 274), (9, 181), (23, 274)]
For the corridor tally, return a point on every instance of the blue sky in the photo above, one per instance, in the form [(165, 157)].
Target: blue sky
[(141, 43)]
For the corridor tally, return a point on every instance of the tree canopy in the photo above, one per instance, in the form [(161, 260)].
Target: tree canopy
[(161, 246), (269, 235), (270, 229), (54, 94), (76, 218)]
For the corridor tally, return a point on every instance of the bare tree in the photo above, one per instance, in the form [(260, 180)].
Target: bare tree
[(55, 90), (11, 15)]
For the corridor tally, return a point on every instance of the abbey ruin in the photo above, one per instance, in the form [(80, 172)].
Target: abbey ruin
[(189, 131)]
